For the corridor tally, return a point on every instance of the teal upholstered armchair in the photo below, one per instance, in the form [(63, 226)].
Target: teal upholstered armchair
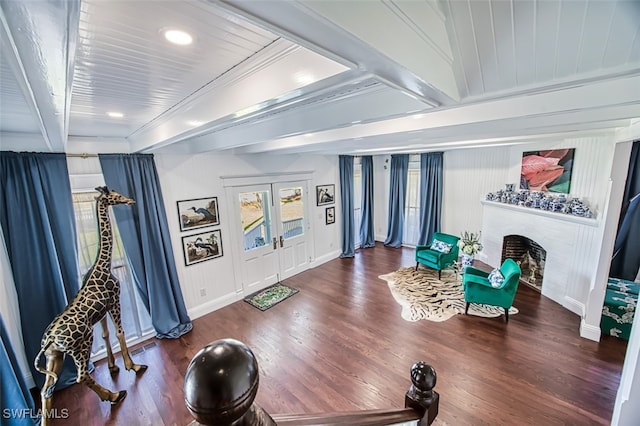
[(441, 253), (492, 288)]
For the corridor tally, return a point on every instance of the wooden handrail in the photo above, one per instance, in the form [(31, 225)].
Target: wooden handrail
[(352, 418), (221, 383)]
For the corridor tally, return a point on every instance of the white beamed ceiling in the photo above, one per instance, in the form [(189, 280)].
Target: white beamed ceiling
[(327, 77)]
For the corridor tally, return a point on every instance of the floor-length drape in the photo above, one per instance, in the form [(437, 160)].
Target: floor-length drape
[(36, 213), (346, 198), (367, 228), (626, 250), (145, 235), (14, 393), (397, 195), (430, 195), (10, 310)]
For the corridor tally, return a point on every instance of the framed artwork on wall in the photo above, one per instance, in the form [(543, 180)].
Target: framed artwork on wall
[(201, 247), (325, 194), (198, 213), (548, 171), (330, 215)]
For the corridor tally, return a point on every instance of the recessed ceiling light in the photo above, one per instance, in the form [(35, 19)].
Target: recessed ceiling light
[(178, 37), (115, 114), (195, 123)]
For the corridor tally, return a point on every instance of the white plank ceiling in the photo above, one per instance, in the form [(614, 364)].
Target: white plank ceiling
[(313, 76)]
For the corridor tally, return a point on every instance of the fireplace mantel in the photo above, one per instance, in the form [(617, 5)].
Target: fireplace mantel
[(567, 239), (554, 215)]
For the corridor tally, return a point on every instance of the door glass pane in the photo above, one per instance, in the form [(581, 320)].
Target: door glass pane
[(292, 211), (357, 198), (412, 203), (256, 219)]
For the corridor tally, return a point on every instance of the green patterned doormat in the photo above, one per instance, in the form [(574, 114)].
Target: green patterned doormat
[(270, 296)]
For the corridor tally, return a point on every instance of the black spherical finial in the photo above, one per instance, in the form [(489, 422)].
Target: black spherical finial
[(221, 382), (423, 377)]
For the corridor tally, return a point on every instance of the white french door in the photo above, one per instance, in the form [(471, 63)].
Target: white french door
[(273, 232), (293, 236)]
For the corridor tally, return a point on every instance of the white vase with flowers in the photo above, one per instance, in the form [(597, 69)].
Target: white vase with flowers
[(469, 246)]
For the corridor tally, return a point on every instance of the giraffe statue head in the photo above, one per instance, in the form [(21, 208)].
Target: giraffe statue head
[(111, 198)]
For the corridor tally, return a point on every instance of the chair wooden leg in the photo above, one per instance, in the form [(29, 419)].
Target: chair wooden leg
[(506, 314), (417, 263), (439, 274), (466, 309)]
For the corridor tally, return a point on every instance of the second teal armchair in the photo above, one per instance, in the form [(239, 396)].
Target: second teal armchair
[(479, 289), (435, 255)]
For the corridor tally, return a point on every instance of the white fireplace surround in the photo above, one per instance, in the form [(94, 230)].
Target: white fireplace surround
[(567, 239)]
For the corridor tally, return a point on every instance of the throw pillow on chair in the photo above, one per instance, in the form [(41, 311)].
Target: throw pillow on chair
[(496, 278), (441, 246)]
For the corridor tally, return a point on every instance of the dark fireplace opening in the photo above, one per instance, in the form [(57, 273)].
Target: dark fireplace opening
[(529, 255)]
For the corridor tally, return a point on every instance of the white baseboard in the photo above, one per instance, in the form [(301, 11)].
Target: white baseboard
[(589, 331), (324, 259), (115, 346), (574, 306), (213, 305)]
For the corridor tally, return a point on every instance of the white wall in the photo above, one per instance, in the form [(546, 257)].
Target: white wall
[(468, 175), (185, 177)]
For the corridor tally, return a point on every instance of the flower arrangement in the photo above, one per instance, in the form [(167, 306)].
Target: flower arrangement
[(470, 243)]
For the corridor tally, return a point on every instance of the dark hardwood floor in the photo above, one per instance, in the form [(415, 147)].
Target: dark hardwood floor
[(341, 345)]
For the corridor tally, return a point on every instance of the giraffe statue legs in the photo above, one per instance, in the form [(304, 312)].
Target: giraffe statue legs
[(54, 359), (81, 361), (113, 368), (54, 365), (114, 313)]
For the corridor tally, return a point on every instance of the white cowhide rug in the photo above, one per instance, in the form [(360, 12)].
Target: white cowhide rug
[(423, 296)]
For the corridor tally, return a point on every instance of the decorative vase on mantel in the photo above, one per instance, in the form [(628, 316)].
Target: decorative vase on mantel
[(466, 260)]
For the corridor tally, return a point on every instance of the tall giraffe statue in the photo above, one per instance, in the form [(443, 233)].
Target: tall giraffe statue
[(71, 332)]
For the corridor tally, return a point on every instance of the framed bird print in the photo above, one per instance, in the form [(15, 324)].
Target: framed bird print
[(198, 213), (200, 247), (325, 194)]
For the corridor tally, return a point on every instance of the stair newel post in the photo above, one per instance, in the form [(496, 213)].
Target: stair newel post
[(421, 396), (220, 385)]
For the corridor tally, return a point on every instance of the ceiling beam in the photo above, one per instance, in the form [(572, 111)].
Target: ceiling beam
[(39, 41), (299, 23), (241, 94), (575, 108)]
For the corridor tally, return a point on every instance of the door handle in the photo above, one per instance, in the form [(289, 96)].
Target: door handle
[(281, 241), (275, 243)]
